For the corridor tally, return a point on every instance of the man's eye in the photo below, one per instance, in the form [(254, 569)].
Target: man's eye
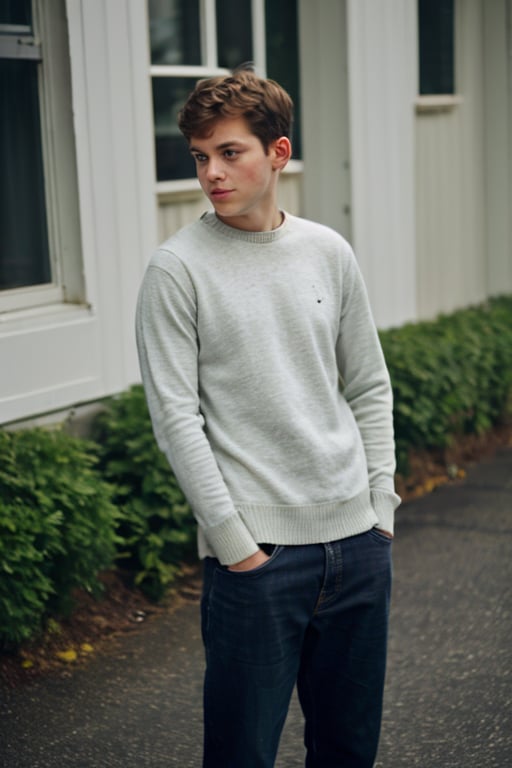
[(199, 158), (230, 154)]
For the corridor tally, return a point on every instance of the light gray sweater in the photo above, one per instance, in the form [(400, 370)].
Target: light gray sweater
[(267, 386)]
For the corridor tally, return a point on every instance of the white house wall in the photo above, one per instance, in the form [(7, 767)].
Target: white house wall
[(325, 116), (463, 191), (57, 356), (50, 359), (109, 63), (424, 198), (497, 40), (450, 183), (382, 57)]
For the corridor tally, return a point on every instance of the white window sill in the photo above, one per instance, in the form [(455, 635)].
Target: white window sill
[(434, 103), (43, 316), (173, 70)]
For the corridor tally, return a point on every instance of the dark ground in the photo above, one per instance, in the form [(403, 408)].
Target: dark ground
[(136, 699)]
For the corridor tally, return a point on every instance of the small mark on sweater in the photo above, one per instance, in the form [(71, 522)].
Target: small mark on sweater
[(318, 299)]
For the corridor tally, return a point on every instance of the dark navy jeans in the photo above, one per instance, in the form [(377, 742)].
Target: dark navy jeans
[(315, 615)]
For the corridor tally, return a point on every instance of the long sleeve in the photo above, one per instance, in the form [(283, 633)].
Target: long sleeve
[(167, 342), (367, 389)]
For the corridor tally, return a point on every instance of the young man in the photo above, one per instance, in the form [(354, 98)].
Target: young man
[(270, 397)]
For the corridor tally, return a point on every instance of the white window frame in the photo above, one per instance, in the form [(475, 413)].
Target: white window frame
[(208, 29), (48, 38), (433, 103)]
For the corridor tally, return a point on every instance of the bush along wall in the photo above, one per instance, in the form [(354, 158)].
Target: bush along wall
[(156, 529), (57, 528), (451, 376)]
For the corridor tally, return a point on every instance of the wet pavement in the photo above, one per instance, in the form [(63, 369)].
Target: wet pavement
[(448, 701)]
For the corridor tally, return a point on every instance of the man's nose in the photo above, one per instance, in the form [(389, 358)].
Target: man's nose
[(215, 169)]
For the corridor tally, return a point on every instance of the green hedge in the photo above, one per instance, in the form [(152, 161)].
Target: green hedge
[(157, 530), (451, 376), (57, 528)]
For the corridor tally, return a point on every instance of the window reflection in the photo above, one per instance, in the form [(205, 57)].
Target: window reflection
[(24, 257), (234, 32), (16, 12), (282, 36), (436, 43), (173, 160), (174, 32)]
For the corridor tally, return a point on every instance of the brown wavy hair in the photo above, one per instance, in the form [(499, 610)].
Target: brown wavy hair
[(265, 105)]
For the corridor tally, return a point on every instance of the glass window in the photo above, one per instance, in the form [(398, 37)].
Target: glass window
[(40, 246), (174, 31), (24, 254), (436, 44), (16, 13), (173, 160), (234, 32), (282, 39)]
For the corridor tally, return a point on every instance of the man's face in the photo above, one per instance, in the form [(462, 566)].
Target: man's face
[(237, 176)]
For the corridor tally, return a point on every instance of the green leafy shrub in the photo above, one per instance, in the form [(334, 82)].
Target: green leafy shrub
[(57, 527), (156, 530), (451, 376)]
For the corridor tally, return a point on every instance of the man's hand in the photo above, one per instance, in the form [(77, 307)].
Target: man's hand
[(385, 533), (251, 562)]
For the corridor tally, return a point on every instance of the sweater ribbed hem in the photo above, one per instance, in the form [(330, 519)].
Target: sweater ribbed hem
[(238, 537)]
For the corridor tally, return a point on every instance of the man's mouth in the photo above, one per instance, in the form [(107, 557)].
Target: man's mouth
[(220, 194)]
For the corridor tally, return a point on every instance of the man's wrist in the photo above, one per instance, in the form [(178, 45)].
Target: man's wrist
[(384, 532), (251, 562)]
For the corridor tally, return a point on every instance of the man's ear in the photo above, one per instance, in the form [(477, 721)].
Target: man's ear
[(282, 151)]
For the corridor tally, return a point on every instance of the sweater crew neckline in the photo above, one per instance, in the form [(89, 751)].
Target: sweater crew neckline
[(242, 235)]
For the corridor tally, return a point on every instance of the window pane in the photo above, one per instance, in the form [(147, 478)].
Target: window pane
[(435, 19), (24, 257), (16, 12), (283, 56), (174, 32), (173, 160), (234, 32)]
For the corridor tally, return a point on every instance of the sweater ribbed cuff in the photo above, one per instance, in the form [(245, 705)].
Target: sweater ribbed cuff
[(384, 504), (231, 541)]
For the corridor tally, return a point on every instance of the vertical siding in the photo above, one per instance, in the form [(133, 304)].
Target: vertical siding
[(382, 40), (325, 119), (450, 183), (175, 211), (497, 29), (291, 192), (109, 65)]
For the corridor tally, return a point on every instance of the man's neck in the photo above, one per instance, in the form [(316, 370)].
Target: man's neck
[(273, 220)]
